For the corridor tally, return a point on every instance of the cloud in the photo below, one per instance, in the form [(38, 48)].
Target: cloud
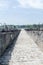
[(14, 7), (31, 3), (3, 4)]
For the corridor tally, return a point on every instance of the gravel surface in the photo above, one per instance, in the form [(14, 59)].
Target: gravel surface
[(24, 52)]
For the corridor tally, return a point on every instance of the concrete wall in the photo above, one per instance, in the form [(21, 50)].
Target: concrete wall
[(6, 38)]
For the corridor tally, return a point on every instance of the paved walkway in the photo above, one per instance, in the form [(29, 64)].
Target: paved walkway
[(25, 52)]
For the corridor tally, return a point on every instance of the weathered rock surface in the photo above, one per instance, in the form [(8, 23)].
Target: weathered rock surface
[(37, 36), (25, 52)]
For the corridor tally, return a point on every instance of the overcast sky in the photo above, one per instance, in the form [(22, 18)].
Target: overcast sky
[(21, 11)]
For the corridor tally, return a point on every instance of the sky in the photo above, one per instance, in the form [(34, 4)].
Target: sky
[(21, 12)]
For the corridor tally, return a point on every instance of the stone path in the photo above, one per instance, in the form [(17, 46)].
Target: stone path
[(25, 52)]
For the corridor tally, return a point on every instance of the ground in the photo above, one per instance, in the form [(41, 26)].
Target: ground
[(23, 52)]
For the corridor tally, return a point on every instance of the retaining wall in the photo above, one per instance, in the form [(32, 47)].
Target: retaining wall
[(6, 38)]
